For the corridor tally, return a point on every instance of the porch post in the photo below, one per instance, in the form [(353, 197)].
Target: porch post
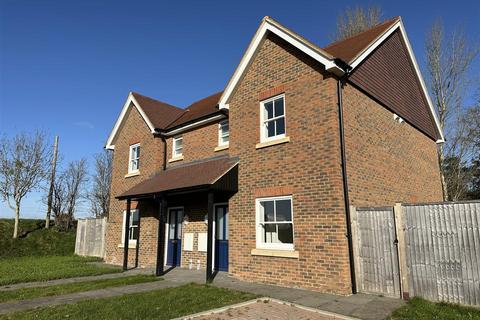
[(209, 274), (162, 213), (126, 235), (137, 248)]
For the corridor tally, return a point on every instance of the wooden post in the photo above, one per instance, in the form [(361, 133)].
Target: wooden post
[(162, 213), (401, 250), (137, 247), (209, 273), (126, 235), (52, 182), (356, 247)]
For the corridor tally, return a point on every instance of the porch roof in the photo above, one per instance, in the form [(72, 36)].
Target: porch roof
[(184, 177)]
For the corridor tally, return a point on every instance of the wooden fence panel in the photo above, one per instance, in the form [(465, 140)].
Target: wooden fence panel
[(90, 239), (378, 257), (443, 251)]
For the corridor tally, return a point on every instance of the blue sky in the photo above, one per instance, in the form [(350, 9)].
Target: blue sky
[(66, 67)]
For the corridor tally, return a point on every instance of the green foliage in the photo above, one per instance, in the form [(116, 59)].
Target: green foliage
[(420, 309), (37, 292), (160, 304), (34, 240), (28, 269)]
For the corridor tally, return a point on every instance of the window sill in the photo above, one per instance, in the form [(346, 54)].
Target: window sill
[(220, 148), (132, 174), (275, 253), (130, 246), (272, 143), (175, 159)]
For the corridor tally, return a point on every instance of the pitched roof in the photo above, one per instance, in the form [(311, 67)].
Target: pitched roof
[(204, 173), (198, 110), (161, 114), (350, 48)]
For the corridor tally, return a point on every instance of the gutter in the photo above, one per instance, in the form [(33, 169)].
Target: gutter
[(340, 84)]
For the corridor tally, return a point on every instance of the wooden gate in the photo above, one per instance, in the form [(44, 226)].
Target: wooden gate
[(375, 251)]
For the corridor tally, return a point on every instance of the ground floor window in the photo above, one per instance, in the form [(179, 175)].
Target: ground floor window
[(132, 226), (275, 223)]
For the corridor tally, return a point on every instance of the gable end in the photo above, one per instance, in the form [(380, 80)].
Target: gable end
[(388, 74)]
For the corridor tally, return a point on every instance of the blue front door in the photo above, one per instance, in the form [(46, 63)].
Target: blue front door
[(174, 246), (221, 238)]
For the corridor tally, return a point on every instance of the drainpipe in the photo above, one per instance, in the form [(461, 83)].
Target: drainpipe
[(164, 140), (346, 198)]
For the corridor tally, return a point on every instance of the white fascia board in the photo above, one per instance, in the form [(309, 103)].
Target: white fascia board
[(194, 125), (283, 33), (130, 100), (380, 40)]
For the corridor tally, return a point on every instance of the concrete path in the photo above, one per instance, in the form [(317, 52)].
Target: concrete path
[(128, 273), (361, 306)]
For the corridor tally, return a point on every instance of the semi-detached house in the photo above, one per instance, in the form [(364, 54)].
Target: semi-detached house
[(257, 180)]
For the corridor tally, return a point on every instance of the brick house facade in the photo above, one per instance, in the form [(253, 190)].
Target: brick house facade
[(251, 180)]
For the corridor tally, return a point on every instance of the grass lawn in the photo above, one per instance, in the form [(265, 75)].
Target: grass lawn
[(28, 269), (37, 292), (420, 309), (160, 304), (34, 240)]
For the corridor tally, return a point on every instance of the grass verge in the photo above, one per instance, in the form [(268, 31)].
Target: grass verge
[(38, 292), (420, 309), (28, 269), (160, 304), (34, 240)]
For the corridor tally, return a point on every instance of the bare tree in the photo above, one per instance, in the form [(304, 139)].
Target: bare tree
[(99, 196), (448, 62), (357, 19), (68, 193), (23, 166)]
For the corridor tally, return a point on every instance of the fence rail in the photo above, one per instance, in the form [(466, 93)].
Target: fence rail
[(435, 248), (90, 239)]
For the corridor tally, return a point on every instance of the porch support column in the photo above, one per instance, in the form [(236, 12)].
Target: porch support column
[(162, 213), (137, 248), (126, 235), (209, 274)]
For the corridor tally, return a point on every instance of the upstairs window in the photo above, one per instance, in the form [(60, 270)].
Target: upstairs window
[(223, 133), (275, 223), (272, 118), (177, 149), (134, 158)]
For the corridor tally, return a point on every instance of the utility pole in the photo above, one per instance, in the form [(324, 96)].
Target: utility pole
[(52, 182)]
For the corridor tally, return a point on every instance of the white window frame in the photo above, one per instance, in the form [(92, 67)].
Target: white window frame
[(174, 148), (263, 136), (130, 159), (222, 134), (132, 212), (260, 229)]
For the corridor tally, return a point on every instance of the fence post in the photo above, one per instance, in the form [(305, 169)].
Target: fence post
[(356, 247), (401, 250)]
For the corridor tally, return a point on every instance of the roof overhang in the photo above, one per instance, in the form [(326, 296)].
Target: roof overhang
[(194, 124), (217, 174), (378, 41), (130, 101), (270, 25)]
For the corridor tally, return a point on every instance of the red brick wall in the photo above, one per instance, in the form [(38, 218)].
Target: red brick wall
[(133, 130), (387, 162), (308, 166), (198, 144)]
